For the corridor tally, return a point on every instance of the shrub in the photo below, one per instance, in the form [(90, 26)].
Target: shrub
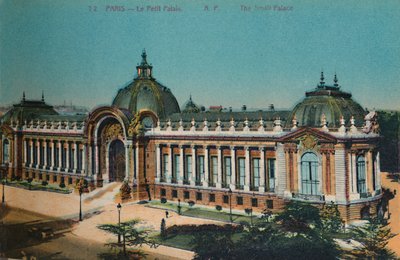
[(163, 200), (44, 183), (218, 207), (191, 203), (191, 229), (62, 185)]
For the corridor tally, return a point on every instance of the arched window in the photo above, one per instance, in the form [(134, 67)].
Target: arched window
[(6, 152), (309, 174), (361, 187)]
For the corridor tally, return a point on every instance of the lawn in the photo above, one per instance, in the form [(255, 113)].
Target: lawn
[(38, 186), (205, 213)]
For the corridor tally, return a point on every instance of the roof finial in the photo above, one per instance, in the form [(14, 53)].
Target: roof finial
[(190, 97), (144, 56), (42, 96), (322, 82), (335, 80), (23, 96)]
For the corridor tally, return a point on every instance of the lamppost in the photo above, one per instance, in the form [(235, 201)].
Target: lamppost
[(3, 200), (179, 206), (80, 202), (230, 204), (119, 221)]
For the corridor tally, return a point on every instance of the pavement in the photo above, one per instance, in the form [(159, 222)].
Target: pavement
[(85, 240)]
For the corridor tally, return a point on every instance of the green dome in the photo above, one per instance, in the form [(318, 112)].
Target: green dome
[(144, 92), (330, 101), (190, 107)]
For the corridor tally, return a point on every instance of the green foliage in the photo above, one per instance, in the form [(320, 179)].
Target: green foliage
[(296, 235), (125, 191), (218, 207), (163, 200), (163, 232), (373, 238), (299, 217), (191, 203), (330, 218), (132, 236), (44, 183), (214, 245), (62, 185)]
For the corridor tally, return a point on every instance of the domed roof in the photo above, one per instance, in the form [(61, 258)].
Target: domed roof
[(144, 92), (329, 101), (28, 110), (190, 107)]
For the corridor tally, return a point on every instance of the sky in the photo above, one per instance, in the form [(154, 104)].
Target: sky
[(84, 51)]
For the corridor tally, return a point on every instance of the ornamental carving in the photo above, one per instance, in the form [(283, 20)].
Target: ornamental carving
[(135, 126), (113, 132), (308, 142)]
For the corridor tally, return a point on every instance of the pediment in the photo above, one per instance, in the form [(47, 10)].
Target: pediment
[(309, 137)]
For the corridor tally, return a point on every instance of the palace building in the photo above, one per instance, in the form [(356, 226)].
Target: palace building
[(325, 149)]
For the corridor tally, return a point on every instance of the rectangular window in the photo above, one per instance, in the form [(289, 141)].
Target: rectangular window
[(227, 171), (199, 196), (255, 173), (164, 171), (188, 169), (271, 174), (163, 192), (186, 195), (41, 151), (54, 178), (239, 200), (69, 180), (174, 194), (47, 177), (270, 204), (226, 199), (242, 172), (56, 155), (214, 170), (175, 172), (212, 197), (254, 202), (40, 176), (200, 171), (34, 155), (48, 153)]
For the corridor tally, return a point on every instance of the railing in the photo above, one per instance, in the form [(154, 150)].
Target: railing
[(174, 180), (239, 186), (199, 183), (185, 181), (365, 195), (254, 188), (313, 197)]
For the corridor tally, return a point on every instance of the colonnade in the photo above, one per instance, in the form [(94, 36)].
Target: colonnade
[(246, 172), (55, 154)]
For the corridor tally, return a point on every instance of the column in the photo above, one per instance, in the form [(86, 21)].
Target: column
[(369, 173), (169, 174), (247, 169), (354, 171), (67, 156), (38, 153), (51, 154), (83, 167), (206, 168), (137, 160), (194, 166), (158, 163), (75, 154), (232, 185), (25, 151), (60, 148), (31, 154), (45, 154), (261, 188), (89, 160), (219, 169), (181, 164), (127, 147), (96, 160)]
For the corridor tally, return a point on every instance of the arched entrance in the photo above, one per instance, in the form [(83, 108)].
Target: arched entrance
[(116, 161)]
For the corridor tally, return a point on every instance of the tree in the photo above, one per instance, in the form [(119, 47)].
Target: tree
[(299, 217), (373, 237), (330, 219), (213, 245), (131, 236), (163, 232)]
